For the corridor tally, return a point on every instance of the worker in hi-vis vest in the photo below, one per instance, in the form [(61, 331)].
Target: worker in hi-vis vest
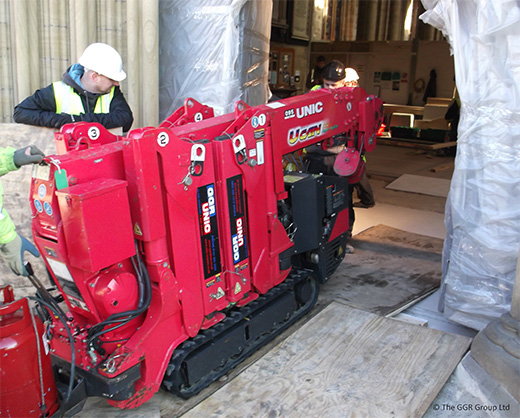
[(320, 160), (88, 91), (335, 75), (13, 245)]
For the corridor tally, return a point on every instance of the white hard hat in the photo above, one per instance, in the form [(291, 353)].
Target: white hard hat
[(351, 75), (103, 59)]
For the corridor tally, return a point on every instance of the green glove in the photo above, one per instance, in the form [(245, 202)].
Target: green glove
[(12, 253), (27, 155)]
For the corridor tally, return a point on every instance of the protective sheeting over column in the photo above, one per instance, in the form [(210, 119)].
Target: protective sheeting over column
[(483, 207), (214, 51)]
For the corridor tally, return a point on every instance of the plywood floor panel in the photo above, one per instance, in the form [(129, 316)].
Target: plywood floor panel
[(343, 362)]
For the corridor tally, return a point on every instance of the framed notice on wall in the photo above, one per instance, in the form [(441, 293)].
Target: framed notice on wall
[(301, 22), (281, 67)]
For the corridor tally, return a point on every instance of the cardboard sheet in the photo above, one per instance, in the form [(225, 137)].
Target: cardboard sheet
[(421, 184)]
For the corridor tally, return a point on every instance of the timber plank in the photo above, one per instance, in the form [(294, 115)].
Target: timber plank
[(343, 362)]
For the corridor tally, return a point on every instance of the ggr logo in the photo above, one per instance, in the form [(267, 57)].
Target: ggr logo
[(238, 240), (208, 209)]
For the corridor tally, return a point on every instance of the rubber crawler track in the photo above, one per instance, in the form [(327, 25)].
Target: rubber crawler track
[(176, 378)]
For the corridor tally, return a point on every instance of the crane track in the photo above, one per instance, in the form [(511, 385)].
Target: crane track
[(203, 359)]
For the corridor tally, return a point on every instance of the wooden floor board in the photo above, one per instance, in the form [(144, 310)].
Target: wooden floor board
[(343, 362)]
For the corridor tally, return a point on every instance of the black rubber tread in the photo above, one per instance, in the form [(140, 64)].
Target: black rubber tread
[(175, 379)]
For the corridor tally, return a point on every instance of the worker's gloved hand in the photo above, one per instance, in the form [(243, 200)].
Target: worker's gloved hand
[(12, 253), (73, 118), (27, 155), (65, 118)]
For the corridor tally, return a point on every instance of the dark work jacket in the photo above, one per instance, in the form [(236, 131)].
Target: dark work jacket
[(40, 108)]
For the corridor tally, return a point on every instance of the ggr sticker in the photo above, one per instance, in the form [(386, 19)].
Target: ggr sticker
[(209, 237)]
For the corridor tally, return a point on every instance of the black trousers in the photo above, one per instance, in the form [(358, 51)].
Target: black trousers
[(364, 191)]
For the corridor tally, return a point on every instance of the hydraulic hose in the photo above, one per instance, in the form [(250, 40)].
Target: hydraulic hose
[(122, 318), (69, 333)]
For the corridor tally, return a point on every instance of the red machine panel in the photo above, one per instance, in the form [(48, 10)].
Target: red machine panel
[(96, 223), (252, 152), (233, 217), (188, 175), (192, 111), (44, 207)]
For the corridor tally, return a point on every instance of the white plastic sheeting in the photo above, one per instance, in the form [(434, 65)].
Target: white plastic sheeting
[(483, 207), (214, 51)]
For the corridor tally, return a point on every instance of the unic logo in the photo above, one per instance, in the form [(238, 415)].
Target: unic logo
[(238, 240), (208, 209), (311, 109), (301, 134)]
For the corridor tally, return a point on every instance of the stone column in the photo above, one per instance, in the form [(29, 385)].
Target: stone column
[(497, 347)]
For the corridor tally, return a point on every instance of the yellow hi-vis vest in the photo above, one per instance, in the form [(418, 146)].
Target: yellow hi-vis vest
[(68, 101)]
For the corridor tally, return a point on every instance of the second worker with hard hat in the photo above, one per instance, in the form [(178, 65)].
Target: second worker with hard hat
[(88, 91)]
